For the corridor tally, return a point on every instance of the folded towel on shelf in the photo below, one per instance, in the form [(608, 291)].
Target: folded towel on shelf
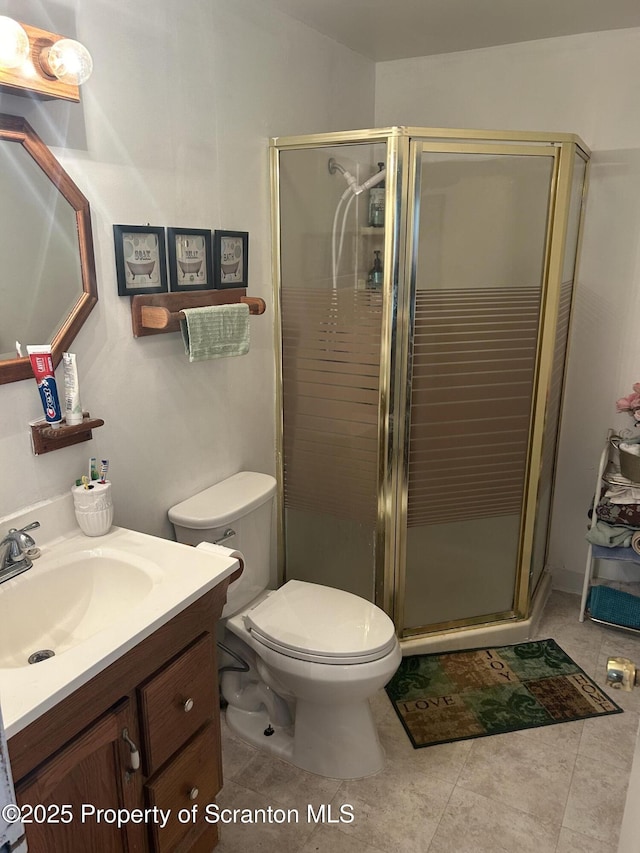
[(621, 490), (609, 535), (627, 515), (623, 494), (215, 331), (635, 542)]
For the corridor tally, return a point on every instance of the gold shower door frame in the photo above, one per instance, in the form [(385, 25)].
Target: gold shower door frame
[(404, 148)]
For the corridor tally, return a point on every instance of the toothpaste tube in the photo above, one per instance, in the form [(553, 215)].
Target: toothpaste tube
[(42, 366), (72, 405)]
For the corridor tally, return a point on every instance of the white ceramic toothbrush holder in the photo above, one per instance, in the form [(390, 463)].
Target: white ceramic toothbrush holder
[(94, 508)]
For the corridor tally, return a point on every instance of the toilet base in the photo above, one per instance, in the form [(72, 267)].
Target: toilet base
[(250, 726), (338, 742)]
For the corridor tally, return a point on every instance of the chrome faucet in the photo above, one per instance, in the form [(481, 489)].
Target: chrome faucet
[(14, 548)]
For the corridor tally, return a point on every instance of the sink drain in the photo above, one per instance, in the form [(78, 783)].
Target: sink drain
[(42, 654)]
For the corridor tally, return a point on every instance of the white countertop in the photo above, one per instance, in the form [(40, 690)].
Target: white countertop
[(180, 575)]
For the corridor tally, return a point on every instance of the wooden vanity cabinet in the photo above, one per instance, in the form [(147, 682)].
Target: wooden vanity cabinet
[(163, 696), (93, 765)]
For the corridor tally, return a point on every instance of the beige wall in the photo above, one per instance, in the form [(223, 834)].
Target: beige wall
[(173, 130)]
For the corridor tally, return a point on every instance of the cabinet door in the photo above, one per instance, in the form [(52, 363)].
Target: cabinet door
[(91, 773)]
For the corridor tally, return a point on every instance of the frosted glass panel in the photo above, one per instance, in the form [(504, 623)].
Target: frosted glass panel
[(552, 422), (331, 343), (482, 232)]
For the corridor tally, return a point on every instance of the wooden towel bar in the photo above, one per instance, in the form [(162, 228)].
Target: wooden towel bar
[(162, 312)]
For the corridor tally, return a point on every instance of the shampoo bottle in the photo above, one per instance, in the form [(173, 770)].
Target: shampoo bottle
[(376, 202), (375, 273)]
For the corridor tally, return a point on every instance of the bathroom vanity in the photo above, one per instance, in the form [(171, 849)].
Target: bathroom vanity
[(156, 706), (114, 742)]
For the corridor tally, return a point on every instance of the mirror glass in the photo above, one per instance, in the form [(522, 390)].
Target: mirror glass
[(47, 287)]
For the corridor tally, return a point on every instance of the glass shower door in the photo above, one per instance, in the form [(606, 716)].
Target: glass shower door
[(480, 240), (332, 328)]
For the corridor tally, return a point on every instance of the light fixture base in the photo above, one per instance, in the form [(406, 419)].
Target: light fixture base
[(32, 80)]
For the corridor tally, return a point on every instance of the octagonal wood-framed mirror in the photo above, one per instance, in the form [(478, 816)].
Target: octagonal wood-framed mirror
[(48, 280)]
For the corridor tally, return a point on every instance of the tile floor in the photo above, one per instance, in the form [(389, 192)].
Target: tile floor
[(558, 789)]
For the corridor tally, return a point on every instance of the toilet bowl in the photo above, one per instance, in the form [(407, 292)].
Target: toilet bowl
[(312, 656), (324, 652)]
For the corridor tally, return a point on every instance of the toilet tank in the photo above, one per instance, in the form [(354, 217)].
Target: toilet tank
[(243, 504)]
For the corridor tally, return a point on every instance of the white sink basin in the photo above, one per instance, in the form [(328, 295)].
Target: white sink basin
[(69, 600), (89, 600)]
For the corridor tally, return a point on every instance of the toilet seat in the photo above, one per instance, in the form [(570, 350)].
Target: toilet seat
[(321, 624)]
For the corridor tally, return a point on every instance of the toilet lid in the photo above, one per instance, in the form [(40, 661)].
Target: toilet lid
[(313, 622)]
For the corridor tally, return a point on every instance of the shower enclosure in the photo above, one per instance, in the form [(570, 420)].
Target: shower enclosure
[(420, 403)]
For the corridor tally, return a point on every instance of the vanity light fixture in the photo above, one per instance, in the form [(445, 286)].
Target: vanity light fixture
[(14, 43), (41, 64)]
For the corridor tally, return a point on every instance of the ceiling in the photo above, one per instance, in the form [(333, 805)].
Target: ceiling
[(398, 29)]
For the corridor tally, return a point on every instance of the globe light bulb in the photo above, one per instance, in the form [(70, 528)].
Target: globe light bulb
[(69, 61), (14, 43)]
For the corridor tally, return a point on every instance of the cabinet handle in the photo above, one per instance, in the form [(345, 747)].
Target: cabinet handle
[(133, 750), (193, 793), (187, 705)]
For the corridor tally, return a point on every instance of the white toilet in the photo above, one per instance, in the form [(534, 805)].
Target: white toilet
[(315, 655)]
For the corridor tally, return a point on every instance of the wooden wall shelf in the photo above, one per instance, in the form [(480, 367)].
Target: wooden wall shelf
[(45, 438), (161, 312)]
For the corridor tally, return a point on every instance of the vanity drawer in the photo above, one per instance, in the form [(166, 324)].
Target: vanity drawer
[(191, 779), (176, 702)]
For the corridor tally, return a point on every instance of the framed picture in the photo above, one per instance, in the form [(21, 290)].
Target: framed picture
[(230, 258), (190, 266), (141, 262)]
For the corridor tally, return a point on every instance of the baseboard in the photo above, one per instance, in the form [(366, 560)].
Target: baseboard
[(566, 581), (611, 570)]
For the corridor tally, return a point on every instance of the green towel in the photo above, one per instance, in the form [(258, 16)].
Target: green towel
[(215, 331), (610, 535)]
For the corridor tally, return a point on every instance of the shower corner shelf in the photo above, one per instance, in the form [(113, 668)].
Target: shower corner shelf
[(44, 438), (158, 313)]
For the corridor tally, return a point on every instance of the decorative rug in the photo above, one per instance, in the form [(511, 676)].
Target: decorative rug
[(452, 696)]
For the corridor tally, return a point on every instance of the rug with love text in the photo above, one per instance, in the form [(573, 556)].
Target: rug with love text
[(452, 696)]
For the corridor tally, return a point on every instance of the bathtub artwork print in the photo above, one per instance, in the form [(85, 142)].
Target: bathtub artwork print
[(141, 258), (230, 257), (190, 257), (190, 266), (141, 264)]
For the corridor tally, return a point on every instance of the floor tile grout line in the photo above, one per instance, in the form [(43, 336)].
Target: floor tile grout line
[(446, 806), (500, 804), (569, 786)]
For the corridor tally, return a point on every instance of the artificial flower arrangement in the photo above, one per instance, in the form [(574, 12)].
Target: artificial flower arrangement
[(631, 404)]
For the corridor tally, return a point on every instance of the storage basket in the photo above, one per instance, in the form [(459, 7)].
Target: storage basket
[(629, 464)]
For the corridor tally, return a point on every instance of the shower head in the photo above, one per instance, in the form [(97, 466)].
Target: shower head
[(334, 167)]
